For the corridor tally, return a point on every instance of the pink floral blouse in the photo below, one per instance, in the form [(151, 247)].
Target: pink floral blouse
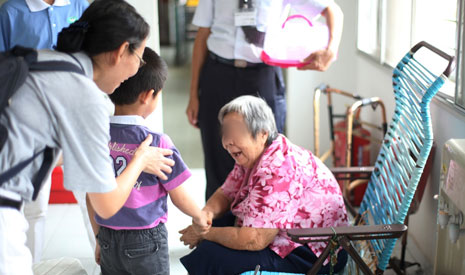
[(287, 188)]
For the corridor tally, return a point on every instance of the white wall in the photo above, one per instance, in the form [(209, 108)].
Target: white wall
[(354, 71)]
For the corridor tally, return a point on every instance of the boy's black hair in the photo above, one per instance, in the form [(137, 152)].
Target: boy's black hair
[(150, 76)]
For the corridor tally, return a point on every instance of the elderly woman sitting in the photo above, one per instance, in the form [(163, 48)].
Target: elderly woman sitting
[(275, 185)]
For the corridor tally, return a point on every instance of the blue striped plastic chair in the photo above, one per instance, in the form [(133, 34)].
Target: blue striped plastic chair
[(394, 178)]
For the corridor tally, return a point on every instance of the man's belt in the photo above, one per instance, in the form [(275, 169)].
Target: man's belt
[(4, 202), (238, 63)]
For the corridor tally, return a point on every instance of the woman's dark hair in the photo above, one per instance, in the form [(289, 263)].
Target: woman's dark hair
[(150, 76), (103, 27)]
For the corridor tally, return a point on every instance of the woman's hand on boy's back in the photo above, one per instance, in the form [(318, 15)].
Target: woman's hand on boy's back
[(154, 158)]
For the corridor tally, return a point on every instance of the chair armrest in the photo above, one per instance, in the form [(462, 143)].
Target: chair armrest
[(361, 232), (344, 172), (353, 170)]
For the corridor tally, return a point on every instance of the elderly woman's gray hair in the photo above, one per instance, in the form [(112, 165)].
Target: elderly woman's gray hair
[(257, 115)]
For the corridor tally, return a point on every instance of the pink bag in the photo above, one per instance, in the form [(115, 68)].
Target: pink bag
[(288, 43)]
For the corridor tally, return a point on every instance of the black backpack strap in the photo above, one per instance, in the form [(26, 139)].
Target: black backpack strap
[(13, 171), (40, 175), (77, 60), (47, 66), (43, 171)]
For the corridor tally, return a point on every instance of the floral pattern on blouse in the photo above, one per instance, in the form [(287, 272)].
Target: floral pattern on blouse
[(287, 188)]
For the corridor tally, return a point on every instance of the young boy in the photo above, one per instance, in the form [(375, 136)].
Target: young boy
[(135, 241)]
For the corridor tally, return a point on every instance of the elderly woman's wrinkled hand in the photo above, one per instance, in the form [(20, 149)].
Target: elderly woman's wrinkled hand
[(190, 237), (202, 224)]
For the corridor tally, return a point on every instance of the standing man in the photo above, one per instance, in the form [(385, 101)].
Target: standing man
[(36, 24), (226, 64)]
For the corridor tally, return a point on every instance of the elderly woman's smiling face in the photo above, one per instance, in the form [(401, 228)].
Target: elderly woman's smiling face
[(239, 142)]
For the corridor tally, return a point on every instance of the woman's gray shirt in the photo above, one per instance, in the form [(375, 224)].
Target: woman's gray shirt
[(65, 111)]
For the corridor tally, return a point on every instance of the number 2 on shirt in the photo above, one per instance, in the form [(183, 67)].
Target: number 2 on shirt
[(120, 165)]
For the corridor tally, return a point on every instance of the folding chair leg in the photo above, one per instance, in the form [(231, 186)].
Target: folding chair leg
[(319, 263), (400, 265), (345, 242)]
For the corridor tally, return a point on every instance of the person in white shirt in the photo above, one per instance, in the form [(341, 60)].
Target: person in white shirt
[(226, 64)]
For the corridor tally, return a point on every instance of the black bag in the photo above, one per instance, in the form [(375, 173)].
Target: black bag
[(15, 66)]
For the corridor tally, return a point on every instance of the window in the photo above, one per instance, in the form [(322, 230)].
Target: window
[(460, 91), (387, 29)]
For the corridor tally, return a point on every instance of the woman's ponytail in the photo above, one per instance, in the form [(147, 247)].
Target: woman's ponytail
[(103, 27), (72, 38)]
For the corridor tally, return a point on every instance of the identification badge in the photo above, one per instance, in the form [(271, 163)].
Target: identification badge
[(246, 17)]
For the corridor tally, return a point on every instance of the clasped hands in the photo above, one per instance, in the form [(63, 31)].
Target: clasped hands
[(195, 233)]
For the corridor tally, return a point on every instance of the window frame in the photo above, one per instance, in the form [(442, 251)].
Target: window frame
[(378, 55), (460, 69)]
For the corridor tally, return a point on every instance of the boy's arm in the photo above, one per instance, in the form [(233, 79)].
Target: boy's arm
[(184, 202)]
